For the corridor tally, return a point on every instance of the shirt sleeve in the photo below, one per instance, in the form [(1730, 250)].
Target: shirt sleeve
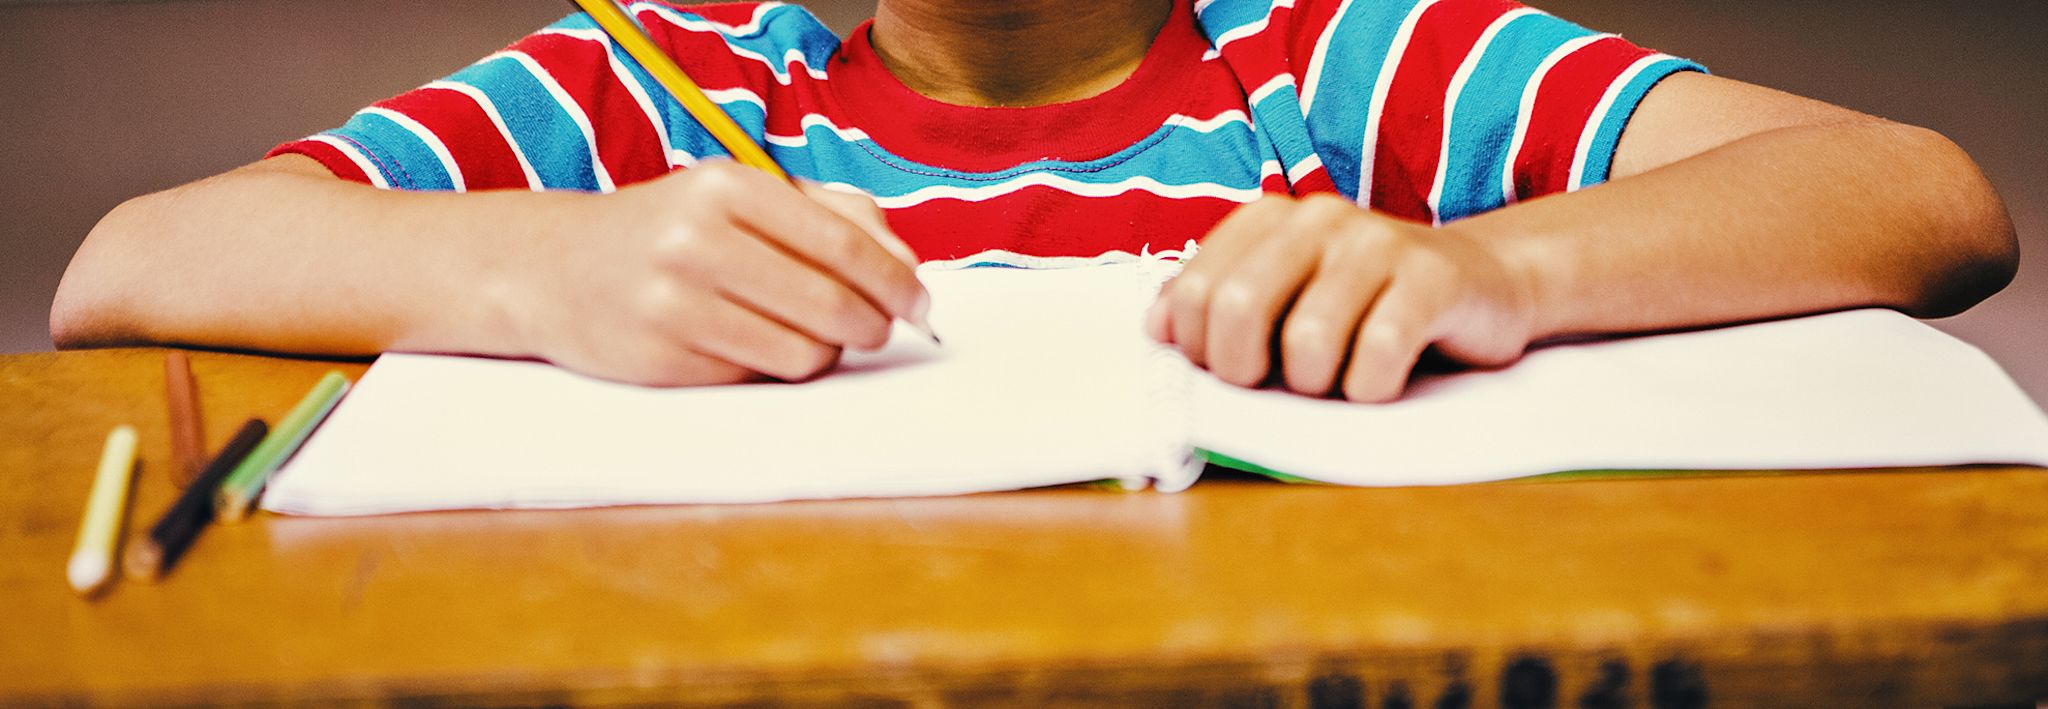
[(566, 108), (1434, 110)]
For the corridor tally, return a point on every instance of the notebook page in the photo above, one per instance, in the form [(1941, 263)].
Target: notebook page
[(1034, 386), (1865, 388)]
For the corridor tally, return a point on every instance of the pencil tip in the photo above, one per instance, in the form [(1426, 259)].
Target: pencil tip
[(923, 327)]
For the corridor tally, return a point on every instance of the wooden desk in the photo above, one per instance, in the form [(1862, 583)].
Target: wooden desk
[(1905, 588)]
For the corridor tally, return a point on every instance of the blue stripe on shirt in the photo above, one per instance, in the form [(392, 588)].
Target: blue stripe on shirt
[(1482, 129), (421, 168), (1171, 155), (1357, 50)]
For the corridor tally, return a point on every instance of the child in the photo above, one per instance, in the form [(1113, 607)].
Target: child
[(1369, 178)]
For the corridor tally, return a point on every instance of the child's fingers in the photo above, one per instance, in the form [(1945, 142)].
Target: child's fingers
[(836, 245), (735, 334), (1391, 340), (1158, 322), (669, 365), (1189, 294), (862, 210), (795, 293), (1316, 336), (1247, 304)]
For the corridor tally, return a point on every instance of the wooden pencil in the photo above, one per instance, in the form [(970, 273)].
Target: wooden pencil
[(187, 437), (633, 38), (155, 553), (239, 490), (92, 564)]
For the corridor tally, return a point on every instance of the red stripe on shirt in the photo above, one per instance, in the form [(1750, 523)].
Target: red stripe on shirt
[(1045, 221), (486, 159), (1306, 23), (1409, 149), (790, 122), (1564, 103), (1259, 58), (328, 156), (711, 61), (1317, 180), (626, 139)]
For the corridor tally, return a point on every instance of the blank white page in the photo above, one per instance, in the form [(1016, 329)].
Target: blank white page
[(1038, 383), (1865, 388)]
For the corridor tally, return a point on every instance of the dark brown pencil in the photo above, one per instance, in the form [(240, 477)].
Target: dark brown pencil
[(186, 518), (188, 442)]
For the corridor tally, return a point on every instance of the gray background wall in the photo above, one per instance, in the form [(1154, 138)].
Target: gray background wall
[(103, 101)]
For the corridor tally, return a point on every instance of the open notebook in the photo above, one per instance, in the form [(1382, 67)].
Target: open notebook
[(1045, 378)]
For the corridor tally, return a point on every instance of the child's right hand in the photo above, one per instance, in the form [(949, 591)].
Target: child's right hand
[(712, 275)]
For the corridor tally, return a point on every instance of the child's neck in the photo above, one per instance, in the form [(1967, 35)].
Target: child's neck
[(1014, 52)]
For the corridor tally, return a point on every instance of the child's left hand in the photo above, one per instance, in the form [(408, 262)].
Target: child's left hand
[(1356, 297)]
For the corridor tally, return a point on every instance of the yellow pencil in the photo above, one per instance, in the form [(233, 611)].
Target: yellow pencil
[(92, 560), (633, 38)]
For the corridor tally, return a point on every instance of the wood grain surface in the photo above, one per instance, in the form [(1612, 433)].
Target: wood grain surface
[(1899, 588)]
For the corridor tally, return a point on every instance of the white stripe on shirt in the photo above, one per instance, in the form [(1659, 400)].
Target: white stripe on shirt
[(362, 162)]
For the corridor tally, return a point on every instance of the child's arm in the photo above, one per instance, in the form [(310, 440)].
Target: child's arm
[(708, 275), (1730, 203)]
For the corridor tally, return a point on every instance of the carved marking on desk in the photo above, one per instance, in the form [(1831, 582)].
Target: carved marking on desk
[(1457, 695), (1336, 691), (1676, 684), (1610, 690), (1397, 697), (1528, 683)]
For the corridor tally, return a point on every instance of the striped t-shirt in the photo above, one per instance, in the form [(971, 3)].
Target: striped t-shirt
[(1429, 110)]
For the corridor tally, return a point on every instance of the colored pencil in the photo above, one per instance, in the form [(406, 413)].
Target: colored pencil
[(92, 559), (630, 36), (155, 554), (187, 441), (238, 492)]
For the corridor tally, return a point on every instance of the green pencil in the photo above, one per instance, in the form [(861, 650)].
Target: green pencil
[(238, 492)]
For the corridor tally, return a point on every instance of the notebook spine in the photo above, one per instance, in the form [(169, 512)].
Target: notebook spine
[(1168, 388)]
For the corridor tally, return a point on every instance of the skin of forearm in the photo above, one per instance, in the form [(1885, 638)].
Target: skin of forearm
[(279, 256), (1792, 220)]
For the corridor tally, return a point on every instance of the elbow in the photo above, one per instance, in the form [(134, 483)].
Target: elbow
[(1976, 263), (75, 322), (88, 309), (67, 324), (1968, 250)]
